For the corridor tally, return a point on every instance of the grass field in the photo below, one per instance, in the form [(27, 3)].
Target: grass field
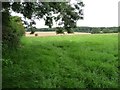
[(77, 61)]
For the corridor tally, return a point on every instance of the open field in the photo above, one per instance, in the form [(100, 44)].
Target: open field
[(42, 34), (75, 61)]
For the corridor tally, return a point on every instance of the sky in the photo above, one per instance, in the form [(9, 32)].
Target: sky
[(97, 13)]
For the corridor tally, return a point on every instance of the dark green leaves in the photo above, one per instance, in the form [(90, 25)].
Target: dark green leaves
[(67, 12)]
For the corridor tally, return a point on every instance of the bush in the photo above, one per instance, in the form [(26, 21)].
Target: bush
[(70, 30), (106, 31), (94, 31), (32, 32), (59, 30), (32, 29), (12, 30), (115, 31), (82, 29), (17, 26), (110, 30)]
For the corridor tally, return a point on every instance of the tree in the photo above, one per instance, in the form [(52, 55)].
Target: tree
[(69, 14), (30, 26)]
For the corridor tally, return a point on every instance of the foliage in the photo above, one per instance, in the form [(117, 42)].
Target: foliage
[(83, 29), (107, 30), (94, 31), (70, 30), (69, 14), (12, 30), (59, 30), (17, 25), (32, 29), (42, 29), (78, 61), (97, 29), (30, 26), (32, 10)]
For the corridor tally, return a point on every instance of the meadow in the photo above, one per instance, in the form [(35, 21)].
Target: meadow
[(75, 61)]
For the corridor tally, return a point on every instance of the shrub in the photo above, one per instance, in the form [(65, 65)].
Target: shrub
[(106, 31), (59, 30), (11, 32), (70, 30), (110, 30), (94, 31), (115, 31), (32, 32), (17, 26), (32, 29)]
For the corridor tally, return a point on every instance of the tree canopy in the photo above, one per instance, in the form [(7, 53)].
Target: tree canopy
[(12, 26), (69, 14)]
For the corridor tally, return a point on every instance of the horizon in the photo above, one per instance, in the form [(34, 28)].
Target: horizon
[(85, 27)]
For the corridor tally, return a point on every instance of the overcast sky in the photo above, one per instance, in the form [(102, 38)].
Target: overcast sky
[(97, 13)]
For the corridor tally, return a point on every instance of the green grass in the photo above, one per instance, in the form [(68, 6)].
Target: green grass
[(79, 61)]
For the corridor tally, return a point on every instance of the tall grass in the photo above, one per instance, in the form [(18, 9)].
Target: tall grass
[(80, 61)]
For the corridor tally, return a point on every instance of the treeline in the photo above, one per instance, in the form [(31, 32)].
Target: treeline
[(106, 30), (97, 29), (40, 30), (92, 30)]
